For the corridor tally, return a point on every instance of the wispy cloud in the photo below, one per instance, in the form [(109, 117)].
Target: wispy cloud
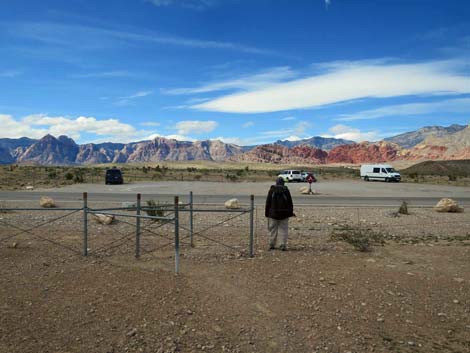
[(296, 132), (127, 99), (190, 4), (245, 83), (289, 118), (195, 126), (105, 74), (248, 124), (345, 82), (10, 73), (96, 38), (458, 105), (349, 133), (150, 123)]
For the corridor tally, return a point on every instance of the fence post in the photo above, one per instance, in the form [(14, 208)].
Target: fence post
[(177, 237), (85, 224), (252, 209), (191, 219), (137, 228)]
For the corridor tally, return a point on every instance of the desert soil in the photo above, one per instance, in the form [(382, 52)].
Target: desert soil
[(410, 295)]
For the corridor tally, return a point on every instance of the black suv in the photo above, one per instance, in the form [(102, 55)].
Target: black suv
[(114, 176)]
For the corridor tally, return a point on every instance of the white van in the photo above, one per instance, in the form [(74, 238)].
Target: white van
[(383, 172), (291, 175)]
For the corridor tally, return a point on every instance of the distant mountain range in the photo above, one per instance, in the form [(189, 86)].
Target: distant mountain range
[(427, 143)]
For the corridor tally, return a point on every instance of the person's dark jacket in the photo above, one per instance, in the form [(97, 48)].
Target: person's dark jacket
[(279, 210)]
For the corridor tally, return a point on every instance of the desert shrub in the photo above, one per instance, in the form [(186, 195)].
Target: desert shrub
[(68, 175), (155, 208), (197, 177), (231, 177), (191, 169), (452, 177), (361, 239), (403, 208), (52, 174)]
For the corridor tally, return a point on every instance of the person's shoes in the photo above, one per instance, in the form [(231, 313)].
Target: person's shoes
[(283, 247)]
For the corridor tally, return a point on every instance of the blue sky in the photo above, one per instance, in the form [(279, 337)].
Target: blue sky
[(242, 71)]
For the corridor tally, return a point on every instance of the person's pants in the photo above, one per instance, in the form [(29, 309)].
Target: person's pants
[(278, 227)]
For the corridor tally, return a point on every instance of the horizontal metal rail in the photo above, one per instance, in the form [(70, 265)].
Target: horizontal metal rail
[(132, 216)]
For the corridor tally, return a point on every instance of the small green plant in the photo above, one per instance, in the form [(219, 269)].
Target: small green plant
[(361, 239), (68, 175)]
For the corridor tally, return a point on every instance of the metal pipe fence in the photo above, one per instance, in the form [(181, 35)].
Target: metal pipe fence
[(164, 230)]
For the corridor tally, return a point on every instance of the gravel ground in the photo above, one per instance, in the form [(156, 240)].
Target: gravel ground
[(410, 294)]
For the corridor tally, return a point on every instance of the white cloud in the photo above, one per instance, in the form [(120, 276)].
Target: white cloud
[(12, 128), (195, 126), (458, 105), (245, 83), (38, 125), (345, 82), (288, 118), (248, 124), (293, 138), (349, 133), (105, 74)]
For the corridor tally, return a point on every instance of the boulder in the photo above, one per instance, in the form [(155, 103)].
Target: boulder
[(232, 203), (448, 205), (103, 218), (29, 187), (305, 190), (47, 202)]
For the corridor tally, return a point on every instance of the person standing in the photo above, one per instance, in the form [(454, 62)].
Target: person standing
[(278, 209)]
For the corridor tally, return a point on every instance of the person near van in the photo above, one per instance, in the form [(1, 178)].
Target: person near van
[(279, 208)]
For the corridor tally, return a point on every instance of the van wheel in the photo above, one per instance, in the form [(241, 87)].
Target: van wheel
[(387, 180), (366, 178)]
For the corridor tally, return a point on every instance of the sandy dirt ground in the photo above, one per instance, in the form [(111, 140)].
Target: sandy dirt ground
[(410, 295)]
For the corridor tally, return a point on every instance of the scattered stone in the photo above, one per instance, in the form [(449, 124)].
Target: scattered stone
[(458, 279), (132, 332), (29, 187), (448, 205), (232, 203), (103, 218), (47, 202), (455, 301)]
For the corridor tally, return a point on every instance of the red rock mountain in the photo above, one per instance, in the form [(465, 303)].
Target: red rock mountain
[(280, 154), (365, 152)]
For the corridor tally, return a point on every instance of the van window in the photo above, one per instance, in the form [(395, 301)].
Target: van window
[(390, 170), (384, 171), (295, 172), (376, 170)]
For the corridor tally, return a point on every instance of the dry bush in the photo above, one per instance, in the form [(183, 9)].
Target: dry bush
[(360, 238)]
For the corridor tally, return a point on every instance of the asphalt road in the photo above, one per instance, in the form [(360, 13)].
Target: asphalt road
[(329, 193)]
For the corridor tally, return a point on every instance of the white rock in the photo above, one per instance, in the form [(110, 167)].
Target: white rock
[(29, 187), (103, 218), (47, 202), (232, 203), (448, 205)]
